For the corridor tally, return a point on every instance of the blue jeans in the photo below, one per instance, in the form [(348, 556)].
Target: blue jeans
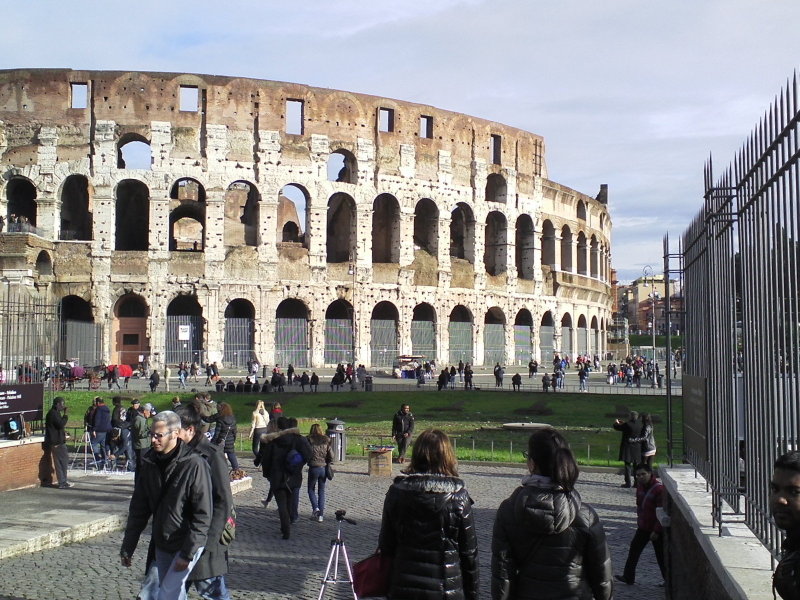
[(295, 505), (172, 584), (99, 448), (213, 588), (232, 459), (316, 478)]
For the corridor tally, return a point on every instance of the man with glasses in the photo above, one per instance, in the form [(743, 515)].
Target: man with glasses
[(174, 487)]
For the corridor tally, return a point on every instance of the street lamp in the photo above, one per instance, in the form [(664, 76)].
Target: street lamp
[(654, 297)]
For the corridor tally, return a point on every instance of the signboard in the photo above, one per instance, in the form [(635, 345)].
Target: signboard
[(26, 399), (695, 416), (184, 333)]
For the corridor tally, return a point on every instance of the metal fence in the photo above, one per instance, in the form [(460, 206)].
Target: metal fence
[(29, 335), (184, 339), (742, 306), (239, 342), (383, 342)]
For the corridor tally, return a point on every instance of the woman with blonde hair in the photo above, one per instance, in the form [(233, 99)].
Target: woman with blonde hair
[(321, 457), (258, 426), (546, 542), (428, 528)]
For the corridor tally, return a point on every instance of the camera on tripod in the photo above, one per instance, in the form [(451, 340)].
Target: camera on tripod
[(338, 551), (340, 516)]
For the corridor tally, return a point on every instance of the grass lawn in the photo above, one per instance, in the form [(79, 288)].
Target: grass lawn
[(471, 418)]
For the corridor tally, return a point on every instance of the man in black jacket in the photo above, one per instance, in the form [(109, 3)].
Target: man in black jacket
[(55, 440), (208, 574), (174, 487), (784, 504), (119, 419), (402, 429), (284, 480), (630, 446)]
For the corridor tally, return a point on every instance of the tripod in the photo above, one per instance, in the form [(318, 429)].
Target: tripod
[(332, 572), (85, 451)]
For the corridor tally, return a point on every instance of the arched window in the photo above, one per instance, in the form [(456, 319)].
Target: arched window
[(293, 214), (583, 250), (462, 233), (241, 214), (426, 227), (383, 335), (423, 331), (132, 215), (21, 196), (340, 243), (130, 330), (342, 167), (496, 189), (581, 212), (239, 345), (548, 243), (566, 250), (494, 337), (44, 264), (134, 152), (291, 333), (525, 247), (339, 340), (185, 330), (496, 243), (460, 333), (523, 337), (385, 229), (76, 209)]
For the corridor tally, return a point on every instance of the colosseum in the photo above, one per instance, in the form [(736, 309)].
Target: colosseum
[(203, 218)]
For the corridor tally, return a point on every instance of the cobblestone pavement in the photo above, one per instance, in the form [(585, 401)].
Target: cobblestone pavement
[(264, 566)]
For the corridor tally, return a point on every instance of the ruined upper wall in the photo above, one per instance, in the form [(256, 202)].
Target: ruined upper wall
[(33, 98)]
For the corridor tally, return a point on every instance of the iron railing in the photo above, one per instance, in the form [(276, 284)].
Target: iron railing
[(741, 257)]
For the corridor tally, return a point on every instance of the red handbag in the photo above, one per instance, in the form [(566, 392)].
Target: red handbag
[(371, 576)]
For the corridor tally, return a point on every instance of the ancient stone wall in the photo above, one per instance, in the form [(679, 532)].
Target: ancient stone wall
[(219, 199)]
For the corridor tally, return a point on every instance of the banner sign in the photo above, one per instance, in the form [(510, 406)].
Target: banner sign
[(184, 333), (26, 399)]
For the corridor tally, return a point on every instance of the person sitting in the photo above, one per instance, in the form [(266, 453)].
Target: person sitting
[(240, 386), (516, 382), (219, 385), (230, 387), (314, 381)]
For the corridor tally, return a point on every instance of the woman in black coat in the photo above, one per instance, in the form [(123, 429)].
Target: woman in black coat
[(546, 542), (428, 529), (225, 432)]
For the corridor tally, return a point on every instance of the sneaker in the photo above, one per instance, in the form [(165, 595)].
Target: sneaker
[(314, 515), (319, 518), (66, 486)]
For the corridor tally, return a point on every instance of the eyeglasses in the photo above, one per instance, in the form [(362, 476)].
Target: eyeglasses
[(158, 436)]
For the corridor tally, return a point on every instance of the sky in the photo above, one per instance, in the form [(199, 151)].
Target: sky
[(630, 93)]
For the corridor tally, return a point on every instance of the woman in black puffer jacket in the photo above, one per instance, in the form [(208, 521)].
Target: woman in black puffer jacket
[(547, 544), (428, 529), (225, 432)]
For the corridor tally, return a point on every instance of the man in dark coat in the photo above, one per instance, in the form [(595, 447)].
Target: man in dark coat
[(284, 482), (174, 487), (208, 574), (120, 421), (402, 429), (55, 439), (784, 504), (630, 446), (99, 428)]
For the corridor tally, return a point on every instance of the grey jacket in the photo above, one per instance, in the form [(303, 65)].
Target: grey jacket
[(180, 503)]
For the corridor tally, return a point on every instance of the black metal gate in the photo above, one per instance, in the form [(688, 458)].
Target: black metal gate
[(183, 340)]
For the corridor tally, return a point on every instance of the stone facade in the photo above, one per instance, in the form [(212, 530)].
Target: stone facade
[(279, 212)]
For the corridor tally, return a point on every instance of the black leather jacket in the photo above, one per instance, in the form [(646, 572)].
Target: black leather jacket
[(179, 502), (427, 527), (547, 544)]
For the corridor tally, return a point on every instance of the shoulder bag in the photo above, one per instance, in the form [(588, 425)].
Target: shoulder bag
[(371, 576)]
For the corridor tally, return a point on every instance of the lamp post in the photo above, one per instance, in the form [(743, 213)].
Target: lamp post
[(352, 271), (654, 296)]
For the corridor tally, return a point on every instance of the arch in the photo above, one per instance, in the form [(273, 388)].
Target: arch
[(581, 211), (240, 333), (383, 335), (495, 243), (185, 330), (525, 247), (241, 220), (22, 206), (385, 229), (134, 152), (583, 247), (494, 336), (423, 331), (76, 209), (132, 215), (584, 340), (548, 243), (496, 188), (341, 241), (547, 339), (293, 201), (594, 257), (81, 337), (581, 321), (342, 166), (460, 332), (426, 227), (129, 329), (594, 336), (339, 338), (566, 335), (291, 333), (44, 264), (523, 337), (187, 229), (462, 233), (566, 249), (187, 189)]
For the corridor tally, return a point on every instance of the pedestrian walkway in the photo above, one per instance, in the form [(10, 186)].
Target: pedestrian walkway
[(263, 566)]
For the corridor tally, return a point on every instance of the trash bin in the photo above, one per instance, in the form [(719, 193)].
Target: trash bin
[(380, 461), (338, 439), (660, 380), (368, 383)]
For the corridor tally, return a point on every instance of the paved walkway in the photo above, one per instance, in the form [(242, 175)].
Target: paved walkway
[(264, 566)]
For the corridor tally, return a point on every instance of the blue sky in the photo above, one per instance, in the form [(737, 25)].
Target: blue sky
[(630, 93)]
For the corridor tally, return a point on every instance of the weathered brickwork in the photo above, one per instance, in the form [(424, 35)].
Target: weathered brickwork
[(256, 192)]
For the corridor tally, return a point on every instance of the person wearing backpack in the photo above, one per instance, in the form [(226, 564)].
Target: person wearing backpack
[(283, 455)]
